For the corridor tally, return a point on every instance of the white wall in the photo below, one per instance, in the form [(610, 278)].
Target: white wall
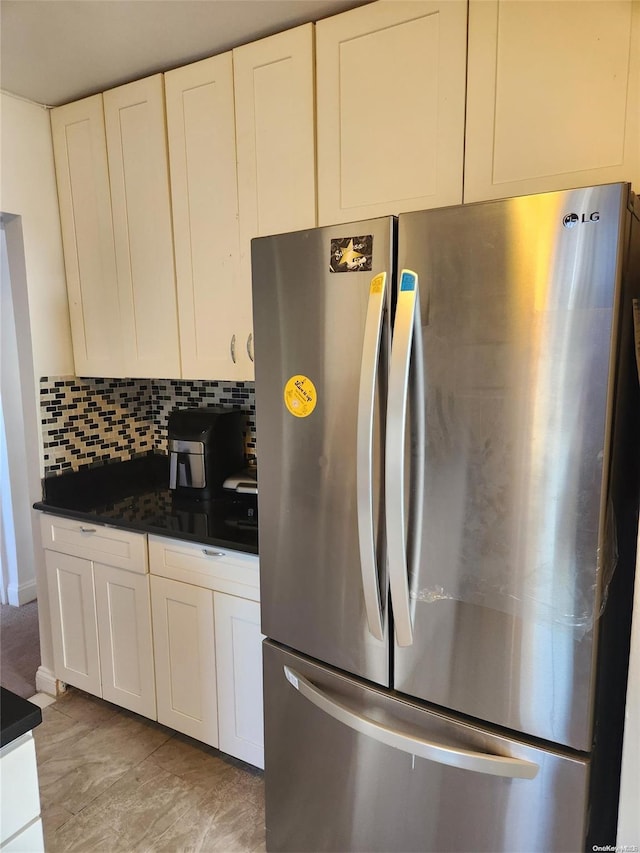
[(28, 189), (19, 467), (29, 207)]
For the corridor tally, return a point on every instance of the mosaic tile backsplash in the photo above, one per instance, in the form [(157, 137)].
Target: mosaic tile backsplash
[(88, 422)]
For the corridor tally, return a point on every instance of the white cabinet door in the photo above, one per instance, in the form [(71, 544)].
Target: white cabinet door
[(239, 668), (390, 108), (20, 800), (140, 198), (185, 661), (124, 632), (73, 621), (82, 174), (275, 138), (202, 153), (553, 96)]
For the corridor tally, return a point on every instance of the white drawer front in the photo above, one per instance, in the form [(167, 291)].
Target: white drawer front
[(207, 566), (111, 545)]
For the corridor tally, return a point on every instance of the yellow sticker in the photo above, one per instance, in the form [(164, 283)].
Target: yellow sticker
[(377, 283), (300, 396)]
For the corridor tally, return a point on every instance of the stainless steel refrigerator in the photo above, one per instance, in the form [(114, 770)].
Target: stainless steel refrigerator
[(448, 436)]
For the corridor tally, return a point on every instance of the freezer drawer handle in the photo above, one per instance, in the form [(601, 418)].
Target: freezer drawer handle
[(364, 453), (406, 351), (453, 756)]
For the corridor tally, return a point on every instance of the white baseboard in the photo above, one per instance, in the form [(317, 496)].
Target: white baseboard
[(46, 682), (21, 593)]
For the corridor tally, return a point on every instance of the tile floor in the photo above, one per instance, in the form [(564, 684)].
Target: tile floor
[(113, 781)]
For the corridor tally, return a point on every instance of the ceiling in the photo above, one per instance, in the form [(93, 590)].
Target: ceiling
[(56, 51)]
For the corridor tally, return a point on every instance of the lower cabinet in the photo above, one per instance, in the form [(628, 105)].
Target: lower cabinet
[(101, 628), (166, 628), (208, 647)]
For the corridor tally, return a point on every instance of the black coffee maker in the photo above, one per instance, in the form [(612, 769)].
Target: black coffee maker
[(205, 446)]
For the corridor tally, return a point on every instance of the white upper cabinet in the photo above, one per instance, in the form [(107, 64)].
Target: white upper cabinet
[(275, 136), (82, 176), (390, 108), (275, 141), (202, 154), (410, 104), (141, 204), (552, 96)]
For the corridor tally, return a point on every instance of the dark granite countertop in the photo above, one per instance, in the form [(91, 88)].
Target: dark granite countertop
[(134, 495), (17, 716)]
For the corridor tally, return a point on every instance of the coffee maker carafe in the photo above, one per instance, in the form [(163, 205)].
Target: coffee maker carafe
[(205, 446)]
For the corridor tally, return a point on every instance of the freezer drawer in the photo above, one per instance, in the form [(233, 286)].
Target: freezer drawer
[(332, 787)]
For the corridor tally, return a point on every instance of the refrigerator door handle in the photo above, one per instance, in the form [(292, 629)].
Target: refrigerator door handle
[(364, 453), (453, 756), (407, 335)]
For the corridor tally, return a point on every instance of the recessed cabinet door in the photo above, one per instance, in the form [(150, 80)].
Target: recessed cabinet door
[(73, 621), (124, 631), (239, 667), (185, 661), (82, 175), (275, 137), (390, 108), (202, 153), (140, 198), (553, 96)]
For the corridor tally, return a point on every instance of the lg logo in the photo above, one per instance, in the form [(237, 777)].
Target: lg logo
[(572, 219)]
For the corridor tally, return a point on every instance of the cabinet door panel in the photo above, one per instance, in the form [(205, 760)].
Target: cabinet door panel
[(275, 134), (202, 152), (552, 100), (275, 138), (139, 177), (183, 633), (239, 667), (73, 621), (390, 100), (124, 631), (82, 174)]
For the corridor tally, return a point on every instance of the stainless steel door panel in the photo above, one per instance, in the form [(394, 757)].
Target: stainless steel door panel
[(518, 313), (311, 322), (329, 788)]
